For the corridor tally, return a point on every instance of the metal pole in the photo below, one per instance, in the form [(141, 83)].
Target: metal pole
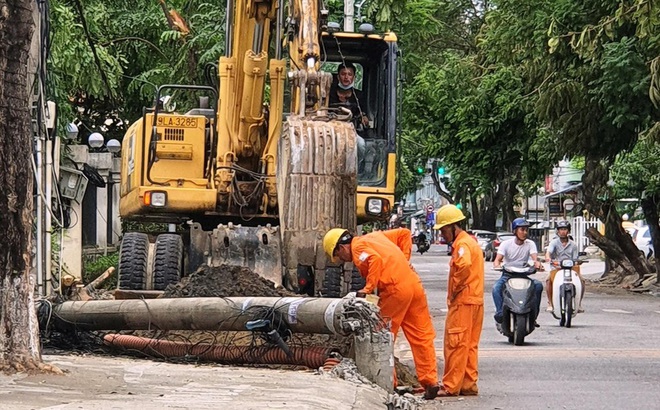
[(108, 225), (40, 212), (229, 28), (48, 224), (278, 29)]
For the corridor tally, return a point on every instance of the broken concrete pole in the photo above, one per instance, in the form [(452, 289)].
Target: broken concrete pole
[(304, 315), (374, 357)]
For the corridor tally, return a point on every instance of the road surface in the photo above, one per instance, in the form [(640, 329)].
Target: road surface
[(608, 359)]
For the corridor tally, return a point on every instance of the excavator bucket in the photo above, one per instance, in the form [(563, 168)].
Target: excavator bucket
[(316, 184), (256, 248)]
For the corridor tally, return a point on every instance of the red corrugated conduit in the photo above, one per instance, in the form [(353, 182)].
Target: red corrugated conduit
[(330, 363), (312, 357)]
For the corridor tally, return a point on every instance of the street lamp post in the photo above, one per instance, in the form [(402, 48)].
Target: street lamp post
[(97, 142)]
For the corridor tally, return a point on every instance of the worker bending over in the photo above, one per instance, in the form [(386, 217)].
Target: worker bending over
[(383, 259)]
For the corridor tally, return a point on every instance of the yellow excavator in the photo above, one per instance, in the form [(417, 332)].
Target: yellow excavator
[(258, 167)]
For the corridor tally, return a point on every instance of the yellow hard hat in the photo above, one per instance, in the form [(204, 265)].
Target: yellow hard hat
[(331, 239), (447, 215)]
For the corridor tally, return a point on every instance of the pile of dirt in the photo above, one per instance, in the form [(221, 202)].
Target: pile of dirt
[(224, 281)]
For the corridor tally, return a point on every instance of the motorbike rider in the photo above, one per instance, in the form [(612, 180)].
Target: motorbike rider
[(516, 251), (561, 248)]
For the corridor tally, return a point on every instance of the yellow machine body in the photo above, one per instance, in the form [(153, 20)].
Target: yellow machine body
[(258, 181)]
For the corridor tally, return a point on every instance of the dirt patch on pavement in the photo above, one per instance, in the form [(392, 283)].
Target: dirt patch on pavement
[(224, 281), (405, 375)]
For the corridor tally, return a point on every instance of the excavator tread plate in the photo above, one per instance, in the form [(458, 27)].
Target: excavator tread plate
[(256, 248)]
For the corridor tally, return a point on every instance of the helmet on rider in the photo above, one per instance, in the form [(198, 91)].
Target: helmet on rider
[(563, 224), (519, 223)]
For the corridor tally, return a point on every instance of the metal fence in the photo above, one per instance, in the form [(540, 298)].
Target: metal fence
[(580, 226)]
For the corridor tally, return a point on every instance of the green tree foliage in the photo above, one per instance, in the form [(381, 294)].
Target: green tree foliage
[(108, 57), (545, 80)]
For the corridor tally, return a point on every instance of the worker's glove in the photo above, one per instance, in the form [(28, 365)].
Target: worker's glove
[(361, 294), (350, 295)]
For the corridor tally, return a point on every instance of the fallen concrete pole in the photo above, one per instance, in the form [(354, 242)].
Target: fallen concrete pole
[(304, 315), (348, 316), (137, 294)]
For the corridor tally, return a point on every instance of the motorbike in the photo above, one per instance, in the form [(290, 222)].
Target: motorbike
[(566, 292), (422, 242), (519, 309)]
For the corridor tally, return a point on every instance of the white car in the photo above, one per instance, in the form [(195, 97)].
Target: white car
[(483, 237), (642, 238)]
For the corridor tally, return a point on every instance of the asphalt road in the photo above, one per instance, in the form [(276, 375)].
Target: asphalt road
[(608, 359)]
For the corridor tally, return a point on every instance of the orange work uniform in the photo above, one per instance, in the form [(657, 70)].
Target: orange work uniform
[(402, 298), (465, 315)]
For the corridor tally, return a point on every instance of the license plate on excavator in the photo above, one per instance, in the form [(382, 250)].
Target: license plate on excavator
[(177, 122)]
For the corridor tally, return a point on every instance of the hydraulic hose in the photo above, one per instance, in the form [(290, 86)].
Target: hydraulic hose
[(312, 357)]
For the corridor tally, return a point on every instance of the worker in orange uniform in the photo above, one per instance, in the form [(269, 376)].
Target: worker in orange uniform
[(465, 302), (383, 259)]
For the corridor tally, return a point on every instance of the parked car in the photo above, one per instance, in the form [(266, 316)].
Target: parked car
[(642, 238), (491, 247), (484, 238)]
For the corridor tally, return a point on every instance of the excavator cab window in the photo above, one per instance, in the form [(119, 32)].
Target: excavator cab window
[(374, 113)]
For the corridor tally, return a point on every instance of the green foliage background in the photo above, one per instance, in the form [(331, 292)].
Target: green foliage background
[(497, 91)]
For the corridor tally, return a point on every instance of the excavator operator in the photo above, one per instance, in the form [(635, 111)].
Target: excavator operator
[(383, 257), (344, 93)]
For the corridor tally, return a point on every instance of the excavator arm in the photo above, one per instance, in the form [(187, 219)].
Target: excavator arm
[(306, 162)]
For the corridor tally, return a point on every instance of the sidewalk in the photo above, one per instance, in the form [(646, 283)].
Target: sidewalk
[(101, 382)]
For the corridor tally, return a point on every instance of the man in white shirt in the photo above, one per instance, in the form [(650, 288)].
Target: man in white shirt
[(516, 251), (561, 248)]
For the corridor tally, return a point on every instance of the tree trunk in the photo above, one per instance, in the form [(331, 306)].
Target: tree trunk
[(19, 330), (438, 188), (509, 200), (487, 214), (612, 250), (598, 201)]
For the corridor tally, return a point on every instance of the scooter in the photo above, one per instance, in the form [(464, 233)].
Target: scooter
[(566, 292), (519, 308), (422, 242)]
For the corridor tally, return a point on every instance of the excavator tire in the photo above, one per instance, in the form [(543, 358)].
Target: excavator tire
[(357, 281), (332, 282), (168, 260), (133, 256)]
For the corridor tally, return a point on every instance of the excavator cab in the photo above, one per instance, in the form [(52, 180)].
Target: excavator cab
[(374, 58)]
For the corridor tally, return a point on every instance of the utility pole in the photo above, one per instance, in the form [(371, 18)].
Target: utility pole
[(349, 15)]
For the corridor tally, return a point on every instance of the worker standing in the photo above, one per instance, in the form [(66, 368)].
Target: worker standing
[(465, 303), (383, 259)]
